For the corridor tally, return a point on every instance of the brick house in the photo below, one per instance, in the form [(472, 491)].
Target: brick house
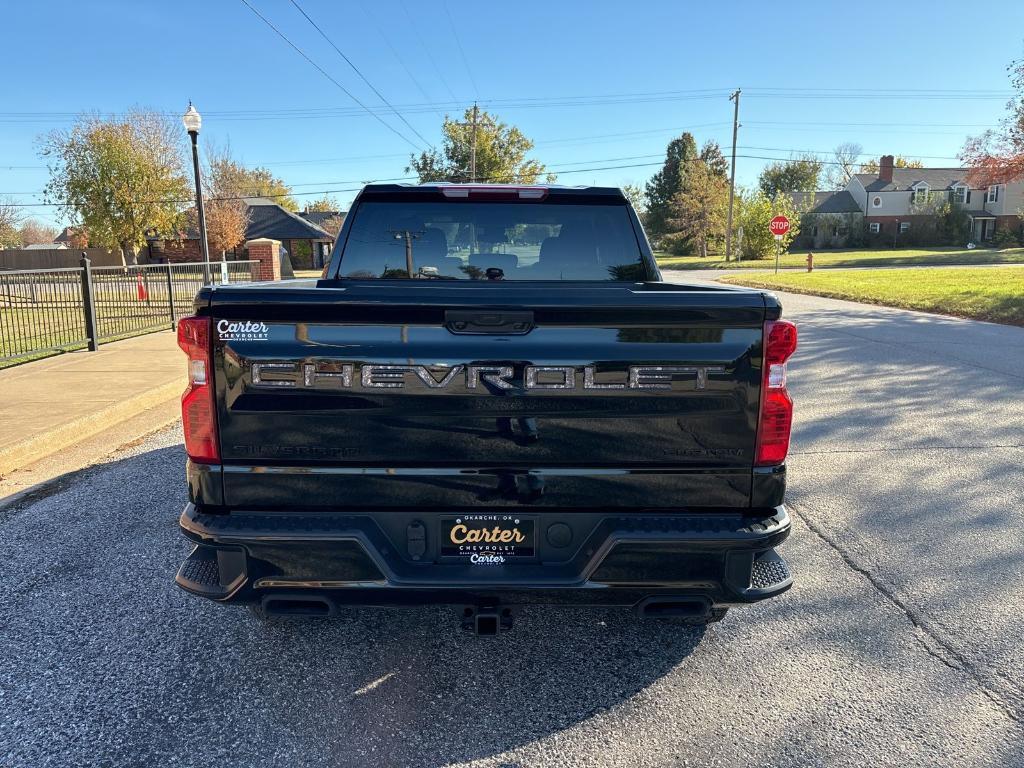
[(898, 203), (308, 245)]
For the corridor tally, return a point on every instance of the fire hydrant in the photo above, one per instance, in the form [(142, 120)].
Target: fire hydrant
[(810, 262)]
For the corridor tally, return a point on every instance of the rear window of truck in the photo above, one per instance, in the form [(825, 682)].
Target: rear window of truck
[(455, 240)]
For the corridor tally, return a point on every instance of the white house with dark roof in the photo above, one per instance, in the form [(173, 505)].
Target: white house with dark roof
[(899, 202)]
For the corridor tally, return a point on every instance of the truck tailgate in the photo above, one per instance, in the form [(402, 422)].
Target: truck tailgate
[(365, 395)]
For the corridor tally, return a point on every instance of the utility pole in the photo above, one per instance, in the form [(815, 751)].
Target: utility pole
[(732, 173), (472, 143), (472, 159)]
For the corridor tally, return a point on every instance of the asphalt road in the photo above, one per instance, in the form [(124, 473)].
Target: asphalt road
[(899, 645)]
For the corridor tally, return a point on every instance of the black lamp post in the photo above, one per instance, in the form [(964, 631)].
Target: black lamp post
[(193, 122)]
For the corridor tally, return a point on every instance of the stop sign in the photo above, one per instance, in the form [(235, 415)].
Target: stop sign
[(779, 226)]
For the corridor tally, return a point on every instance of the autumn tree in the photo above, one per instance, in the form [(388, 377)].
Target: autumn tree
[(10, 223), (798, 174), (667, 183), (36, 233), (843, 165), (501, 153), (871, 166), (226, 223), (997, 156), (700, 208), (232, 179), (78, 237), (227, 216), (118, 177), (324, 204)]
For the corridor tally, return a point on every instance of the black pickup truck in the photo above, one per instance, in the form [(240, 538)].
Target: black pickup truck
[(489, 399)]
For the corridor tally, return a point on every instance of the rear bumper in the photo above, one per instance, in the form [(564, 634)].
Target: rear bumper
[(392, 559)]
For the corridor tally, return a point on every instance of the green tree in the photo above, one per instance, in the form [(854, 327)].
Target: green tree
[(500, 153), (711, 155), (10, 223), (663, 187), (756, 211), (700, 209), (635, 195), (119, 177), (798, 174)]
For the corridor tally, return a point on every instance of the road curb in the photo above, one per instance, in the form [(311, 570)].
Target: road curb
[(42, 445)]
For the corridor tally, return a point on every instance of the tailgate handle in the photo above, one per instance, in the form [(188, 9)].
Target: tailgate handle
[(488, 322)]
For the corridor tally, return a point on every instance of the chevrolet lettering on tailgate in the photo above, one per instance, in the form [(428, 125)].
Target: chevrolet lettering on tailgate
[(312, 375)]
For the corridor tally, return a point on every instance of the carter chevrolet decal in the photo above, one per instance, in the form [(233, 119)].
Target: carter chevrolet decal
[(329, 374)]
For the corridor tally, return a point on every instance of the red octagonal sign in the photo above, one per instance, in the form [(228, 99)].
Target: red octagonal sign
[(779, 226)]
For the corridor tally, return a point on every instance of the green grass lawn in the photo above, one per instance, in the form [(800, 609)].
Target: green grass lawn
[(995, 294), (902, 257)]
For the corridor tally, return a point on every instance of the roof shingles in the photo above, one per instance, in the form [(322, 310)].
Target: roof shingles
[(904, 179)]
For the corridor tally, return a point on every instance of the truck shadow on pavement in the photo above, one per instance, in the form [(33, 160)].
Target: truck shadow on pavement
[(97, 634), (358, 683)]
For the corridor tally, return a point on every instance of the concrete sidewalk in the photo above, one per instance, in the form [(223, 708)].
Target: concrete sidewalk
[(50, 404)]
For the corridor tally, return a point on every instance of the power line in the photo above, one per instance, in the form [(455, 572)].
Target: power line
[(398, 57), (863, 152), (462, 52), (322, 71), (430, 56), (358, 72)]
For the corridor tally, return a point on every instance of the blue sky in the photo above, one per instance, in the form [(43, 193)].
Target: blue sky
[(594, 84)]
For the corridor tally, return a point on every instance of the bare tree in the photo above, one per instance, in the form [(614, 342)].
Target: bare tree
[(333, 224), (843, 165), (36, 233), (11, 216)]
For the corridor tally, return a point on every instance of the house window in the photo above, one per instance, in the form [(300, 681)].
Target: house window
[(904, 226), (876, 202), (874, 226), (993, 194), (814, 231), (920, 194), (835, 231), (960, 192)]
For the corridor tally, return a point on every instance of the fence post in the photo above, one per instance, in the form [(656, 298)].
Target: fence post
[(170, 297), (87, 304)]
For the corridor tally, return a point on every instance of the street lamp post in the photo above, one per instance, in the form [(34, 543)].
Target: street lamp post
[(193, 121)]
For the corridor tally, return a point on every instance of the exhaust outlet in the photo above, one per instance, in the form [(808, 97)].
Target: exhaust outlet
[(673, 607), (296, 605)]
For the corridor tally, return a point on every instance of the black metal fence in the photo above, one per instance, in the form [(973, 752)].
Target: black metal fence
[(45, 311)]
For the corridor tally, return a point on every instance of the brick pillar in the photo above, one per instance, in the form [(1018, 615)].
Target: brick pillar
[(265, 251)]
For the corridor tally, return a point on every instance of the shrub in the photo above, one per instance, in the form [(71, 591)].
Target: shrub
[(1004, 237)]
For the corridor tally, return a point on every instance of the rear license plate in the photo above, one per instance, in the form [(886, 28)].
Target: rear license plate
[(488, 538)]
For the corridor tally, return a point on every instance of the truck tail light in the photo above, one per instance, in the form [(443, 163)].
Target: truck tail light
[(495, 192), (198, 415), (775, 419)]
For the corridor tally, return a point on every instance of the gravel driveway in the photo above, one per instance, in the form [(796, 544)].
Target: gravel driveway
[(899, 645)]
